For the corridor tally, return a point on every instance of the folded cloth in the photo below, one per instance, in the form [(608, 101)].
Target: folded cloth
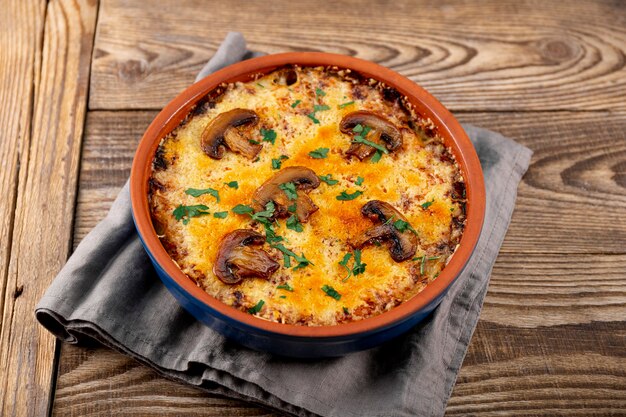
[(108, 291)]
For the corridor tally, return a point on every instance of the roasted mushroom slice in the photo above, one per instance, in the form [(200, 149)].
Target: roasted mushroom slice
[(222, 132), (276, 189), (237, 259), (402, 245), (383, 132)]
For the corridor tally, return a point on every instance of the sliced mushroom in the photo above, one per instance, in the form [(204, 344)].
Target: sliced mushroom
[(383, 132), (237, 259), (222, 133), (402, 245), (304, 180)]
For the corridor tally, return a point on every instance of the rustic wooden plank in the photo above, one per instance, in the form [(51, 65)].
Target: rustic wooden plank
[(98, 381), (45, 204), (20, 53), (572, 200), (573, 370), (487, 55)]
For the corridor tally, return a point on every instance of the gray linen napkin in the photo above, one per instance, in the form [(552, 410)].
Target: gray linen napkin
[(108, 291)]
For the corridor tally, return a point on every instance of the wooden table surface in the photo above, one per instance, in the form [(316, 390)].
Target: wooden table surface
[(80, 80)]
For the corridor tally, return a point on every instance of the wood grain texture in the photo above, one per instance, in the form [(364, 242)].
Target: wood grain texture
[(44, 205), (570, 370), (98, 381), (21, 37), (487, 55), (551, 340)]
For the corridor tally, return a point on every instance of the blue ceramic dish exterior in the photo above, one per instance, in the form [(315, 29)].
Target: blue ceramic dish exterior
[(279, 344)]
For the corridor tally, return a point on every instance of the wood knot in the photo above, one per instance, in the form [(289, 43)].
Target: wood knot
[(556, 50), (132, 70)]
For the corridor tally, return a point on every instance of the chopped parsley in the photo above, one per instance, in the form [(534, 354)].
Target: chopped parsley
[(290, 190), (294, 224), (319, 153), (220, 214), (360, 138), (344, 263), (320, 107), (265, 215), (403, 226), (379, 148), (345, 196), (358, 267), (254, 142), (295, 104), (233, 184), (359, 180), (292, 208), (242, 209), (282, 296), (185, 213), (344, 105), (277, 162), (427, 204), (257, 307), (269, 135), (319, 92), (260, 85), (312, 117), (423, 260), (195, 192), (328, 179), (331, 292), (301, 260), (285, 287), (345, 310), (376, 157)]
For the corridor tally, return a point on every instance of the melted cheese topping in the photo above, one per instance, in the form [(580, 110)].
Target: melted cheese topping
[(421, 171)]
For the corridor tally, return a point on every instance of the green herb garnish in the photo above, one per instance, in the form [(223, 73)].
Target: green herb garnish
[(403, 226), (265, 215), (294, 224), (282, 296), (423, 260), (427, 204), (295, 103), (233, 184), (276, 163), (312, 117), (359, 180), (195, 192), (374, 159), (319, 153), (344, 263), (345, 196), (328, 179), (319, 92), (254, 142), (292, 208), (290, 190), (344, 105), (320, 107), (380, 148), (331, 292), (287, 254), (260, 85), (345, 310), (358, 267), (220, 214), (187, 212), (256, 308), (285, 287), (268, 135), (242, 209)]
